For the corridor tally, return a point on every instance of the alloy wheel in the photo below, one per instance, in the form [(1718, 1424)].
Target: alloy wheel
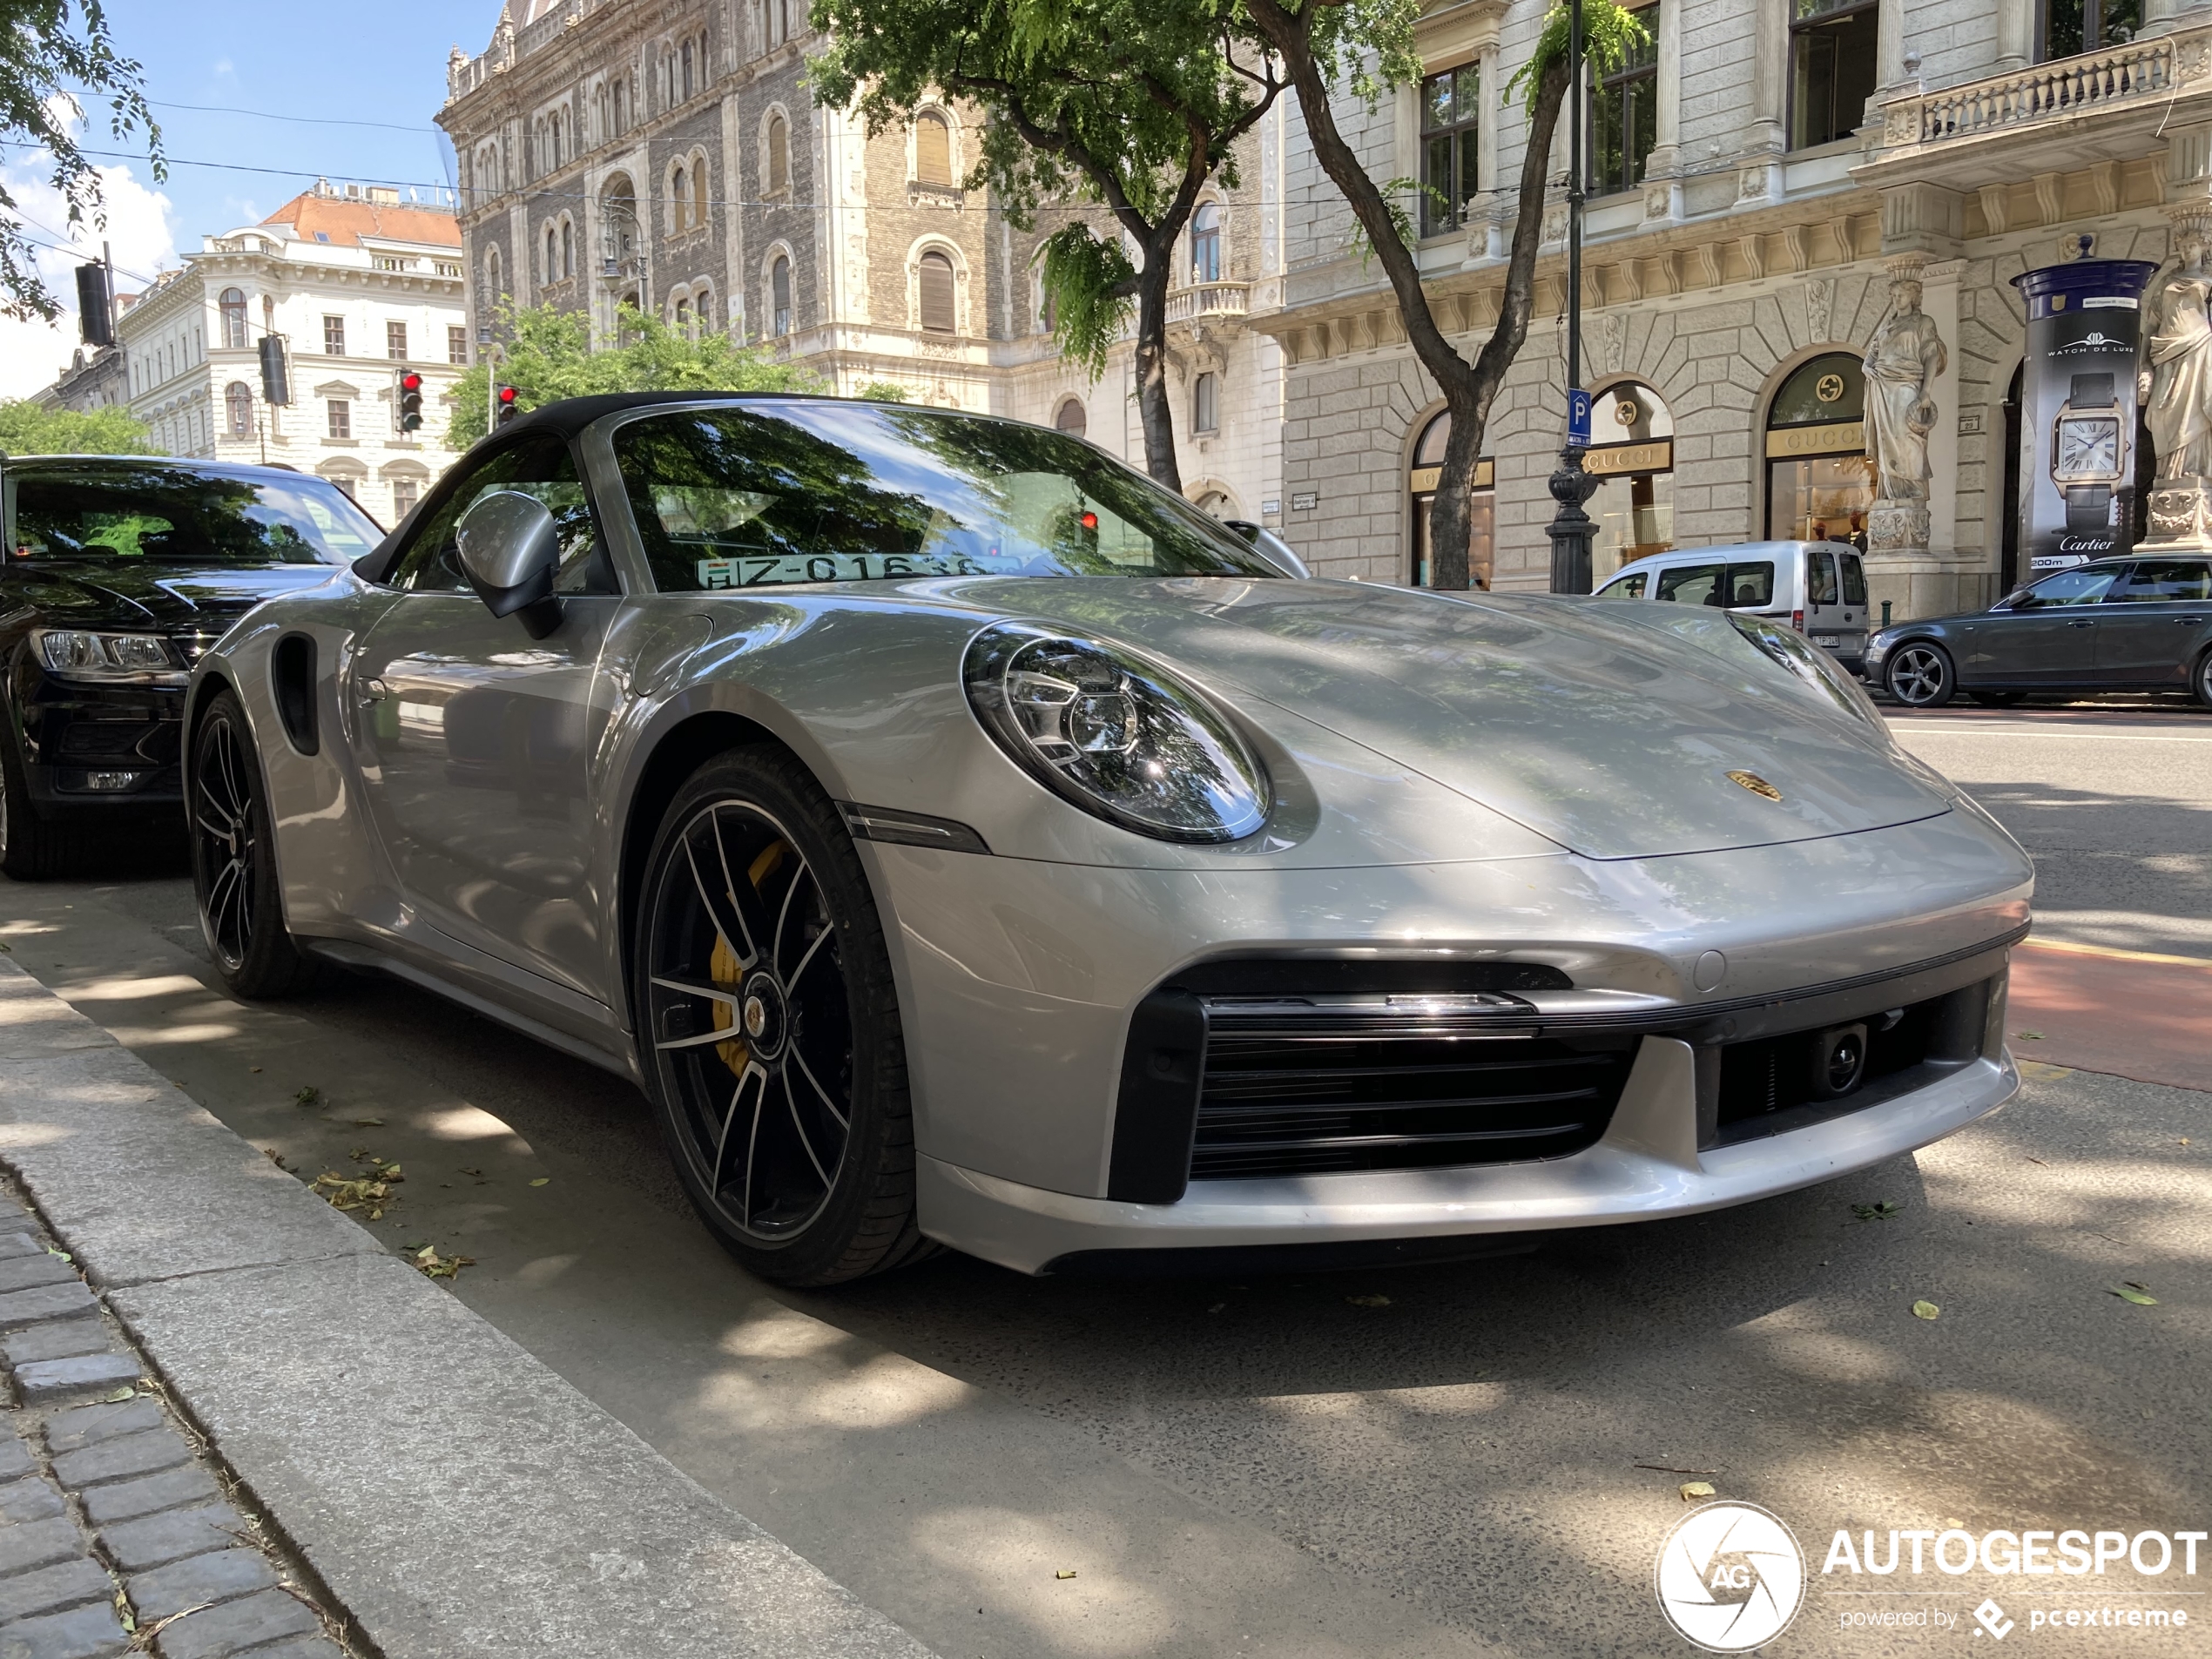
[(750, 1019), (223, 841), (1919, 675)]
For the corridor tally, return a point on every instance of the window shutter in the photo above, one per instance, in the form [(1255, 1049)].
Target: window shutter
[(936, 294), (933, 150)]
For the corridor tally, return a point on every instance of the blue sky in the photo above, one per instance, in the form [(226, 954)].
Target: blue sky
[(383, 63)]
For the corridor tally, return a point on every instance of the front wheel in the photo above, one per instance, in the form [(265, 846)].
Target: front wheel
[(768, 1027), (2200, 682), (1920, 674), (233, 861)]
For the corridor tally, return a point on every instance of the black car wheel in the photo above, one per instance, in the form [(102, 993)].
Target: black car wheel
[(30, 848), (770, 1026), (1920, 674), (2200, 682), (234, 866)]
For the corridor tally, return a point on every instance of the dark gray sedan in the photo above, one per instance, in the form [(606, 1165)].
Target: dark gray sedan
[(2142, 623)]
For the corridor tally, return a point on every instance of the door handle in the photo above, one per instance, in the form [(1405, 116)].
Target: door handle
[(2081, 624), (2189, 621)]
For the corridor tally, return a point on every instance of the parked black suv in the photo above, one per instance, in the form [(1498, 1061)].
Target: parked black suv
[(117, 572)]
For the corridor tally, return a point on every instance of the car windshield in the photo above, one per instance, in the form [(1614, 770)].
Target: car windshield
[(184, 514), (760, 495)]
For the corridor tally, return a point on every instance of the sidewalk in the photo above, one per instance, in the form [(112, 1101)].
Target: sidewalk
[(443, 1492), (2125, 1014)]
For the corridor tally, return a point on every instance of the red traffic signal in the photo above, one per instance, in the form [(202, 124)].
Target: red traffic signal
[(507, 409), (410, 401)]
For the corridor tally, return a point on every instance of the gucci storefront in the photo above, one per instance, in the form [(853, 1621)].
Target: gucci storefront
[(1632, 456), (1819, 484), (1420, 483)]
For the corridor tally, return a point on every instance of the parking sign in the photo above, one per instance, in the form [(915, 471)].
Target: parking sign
[(1578, 418)]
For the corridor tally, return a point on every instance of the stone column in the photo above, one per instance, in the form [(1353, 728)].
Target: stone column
[(1662, 185), (2015, 36), (1766, 135)]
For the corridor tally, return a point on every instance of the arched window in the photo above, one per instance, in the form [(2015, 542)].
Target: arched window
[(683, 317), (568, 249), (1070, 419), (686, 71), (621, 110), (933, 149), (238, 408), (778, 155), (680, 201), (1427, 468), (603, 113), (1205, 243), (698, 193), (776, 21), (552, 255), (233, 305), (1819, 484), (1632, 452), (495, 280), (1205, 404), (780, 297), (936, 273)]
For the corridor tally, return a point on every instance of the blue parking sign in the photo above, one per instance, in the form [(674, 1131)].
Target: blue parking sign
[(1578, 418)]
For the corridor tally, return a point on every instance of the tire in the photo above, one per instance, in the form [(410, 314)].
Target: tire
[(798, 1191), (233, 861), (2200, 681), (1998, 699), (1919, 674), (31, 848)]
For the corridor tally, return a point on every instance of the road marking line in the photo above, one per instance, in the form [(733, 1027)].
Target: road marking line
[(2070, 947), (1979, 729)]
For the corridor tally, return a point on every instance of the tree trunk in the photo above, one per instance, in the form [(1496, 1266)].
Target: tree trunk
[(1153, 411), (1468, 389)]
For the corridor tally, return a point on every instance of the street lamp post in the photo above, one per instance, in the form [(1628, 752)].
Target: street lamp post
[(1571, 527)]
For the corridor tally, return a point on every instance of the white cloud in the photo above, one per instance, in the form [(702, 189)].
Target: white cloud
[(138, 229)]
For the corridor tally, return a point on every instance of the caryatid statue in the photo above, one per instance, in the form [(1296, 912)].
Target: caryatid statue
[(1902, 362), (2177, 383)]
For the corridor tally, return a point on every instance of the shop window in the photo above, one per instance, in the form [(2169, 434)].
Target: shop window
[(1421, 480), (1632, 453), (1831, 68), (1820, 485), (1624, 114), (1451, 145)]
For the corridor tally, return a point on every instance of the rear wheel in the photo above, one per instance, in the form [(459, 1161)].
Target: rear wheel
[(1998, 699), (1920, 674), (769, 1026), (30, 848), (2200, 682), (234, 862)]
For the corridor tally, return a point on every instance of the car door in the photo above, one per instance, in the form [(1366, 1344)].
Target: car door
[(2045, 635), (1851, 634), (476, 739), (2150, 626), (1691, 584)]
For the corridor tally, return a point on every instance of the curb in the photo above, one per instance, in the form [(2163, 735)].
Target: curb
[(454, 1494)]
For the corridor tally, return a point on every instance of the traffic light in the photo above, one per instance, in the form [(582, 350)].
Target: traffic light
[(410, 401), (95, 324), (276, 371), (507, 410)]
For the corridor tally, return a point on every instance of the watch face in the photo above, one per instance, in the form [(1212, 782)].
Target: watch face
[(2088, 448)]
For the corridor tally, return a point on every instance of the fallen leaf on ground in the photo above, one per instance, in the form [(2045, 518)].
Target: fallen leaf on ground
[(366, 1192), (1669, 1468), (275, 1158), (1065, 1572), (119, 1396), (2131, 1292), (540, 1180), (1925, 1310), (436, 1266), (1368, 1301), (62, 1255), (1881, 1211), (468, 1172), (253, 1069), (2037, 1160), (2033, 1036), (309, 1095), (1693, 1490)]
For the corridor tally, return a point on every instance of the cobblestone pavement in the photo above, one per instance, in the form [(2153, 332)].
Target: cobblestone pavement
[(118, 1534)]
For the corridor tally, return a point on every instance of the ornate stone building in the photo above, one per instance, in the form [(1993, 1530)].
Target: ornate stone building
[(1760, 183), (666, 152)]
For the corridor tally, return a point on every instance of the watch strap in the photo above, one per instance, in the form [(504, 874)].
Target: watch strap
[(2092, 391), (2088, 508)]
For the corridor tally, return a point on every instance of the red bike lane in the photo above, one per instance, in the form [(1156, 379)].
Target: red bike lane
[(2131, 1014)]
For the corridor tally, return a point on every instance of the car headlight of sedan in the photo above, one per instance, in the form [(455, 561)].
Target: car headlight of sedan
[(76, 654), (1812, 666), (1116, 735)]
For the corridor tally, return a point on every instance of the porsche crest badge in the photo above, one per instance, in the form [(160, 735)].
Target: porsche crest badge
[(1756, 785)]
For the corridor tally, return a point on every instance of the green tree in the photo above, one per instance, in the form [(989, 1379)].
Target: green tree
[(26, 429), (1131, 105), (1326, 45), (52, 55), (548, 356)]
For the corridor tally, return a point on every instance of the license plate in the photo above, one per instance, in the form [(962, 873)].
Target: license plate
[(1829, 640)]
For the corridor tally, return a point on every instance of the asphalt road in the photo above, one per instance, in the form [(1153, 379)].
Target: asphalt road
[(1433, 1461)]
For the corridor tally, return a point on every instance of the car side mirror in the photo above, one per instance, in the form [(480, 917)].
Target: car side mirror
[(510, 549), (1271, 547)]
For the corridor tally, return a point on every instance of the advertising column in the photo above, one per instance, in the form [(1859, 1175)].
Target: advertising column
[(2078, 411)]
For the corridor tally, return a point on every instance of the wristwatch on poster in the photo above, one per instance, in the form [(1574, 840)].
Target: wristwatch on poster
[(2088, 454)]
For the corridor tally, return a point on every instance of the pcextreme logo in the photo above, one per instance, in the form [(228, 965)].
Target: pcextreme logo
[(1730, 1577)]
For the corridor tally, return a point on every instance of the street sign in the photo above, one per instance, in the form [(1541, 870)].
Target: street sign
[(1578, 418)]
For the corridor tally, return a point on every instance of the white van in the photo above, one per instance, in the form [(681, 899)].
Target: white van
[(1819, 586)]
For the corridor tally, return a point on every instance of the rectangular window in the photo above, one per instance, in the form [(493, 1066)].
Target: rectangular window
[(1624, 114), (1205, 404), (2071, 26), (341, 417), (456, 345), (333, 337), (1451, 145), (1831, 68), (395, 341), (405, 493)]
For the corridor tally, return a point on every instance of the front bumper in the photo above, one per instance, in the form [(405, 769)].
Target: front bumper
[(97, 747), (1646, 1167)]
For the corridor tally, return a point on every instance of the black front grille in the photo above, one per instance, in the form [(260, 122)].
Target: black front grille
[(1307, 1091)]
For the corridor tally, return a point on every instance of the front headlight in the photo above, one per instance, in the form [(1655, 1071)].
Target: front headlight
[(79, 655), (1811, 665), (1115, 734)]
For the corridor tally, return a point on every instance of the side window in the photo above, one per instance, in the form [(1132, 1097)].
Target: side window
[(1751, 584), (2085, 585), (1629, 587), (2168, 582), (1692, 584), (1854, 578), (541, 467), (1820, 577)]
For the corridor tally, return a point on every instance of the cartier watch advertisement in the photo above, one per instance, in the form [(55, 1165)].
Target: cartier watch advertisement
[(2078, 423)]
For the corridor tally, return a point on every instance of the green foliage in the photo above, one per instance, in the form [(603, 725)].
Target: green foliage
[(1090, 285), (548, 356), (1401, 220), (26, 429), (53, 55), (1366, 45), (884, 391), (1609, 34)]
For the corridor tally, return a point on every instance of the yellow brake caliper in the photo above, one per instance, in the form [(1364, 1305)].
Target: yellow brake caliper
[(723, 969)]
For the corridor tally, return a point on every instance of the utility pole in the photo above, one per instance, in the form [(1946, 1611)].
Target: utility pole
[(1571, 528)]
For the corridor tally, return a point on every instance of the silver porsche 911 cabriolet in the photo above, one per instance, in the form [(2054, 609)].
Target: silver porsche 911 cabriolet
[(960, 839)]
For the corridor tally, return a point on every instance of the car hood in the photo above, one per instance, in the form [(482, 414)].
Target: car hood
[(1607, 731), (172, 595)]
